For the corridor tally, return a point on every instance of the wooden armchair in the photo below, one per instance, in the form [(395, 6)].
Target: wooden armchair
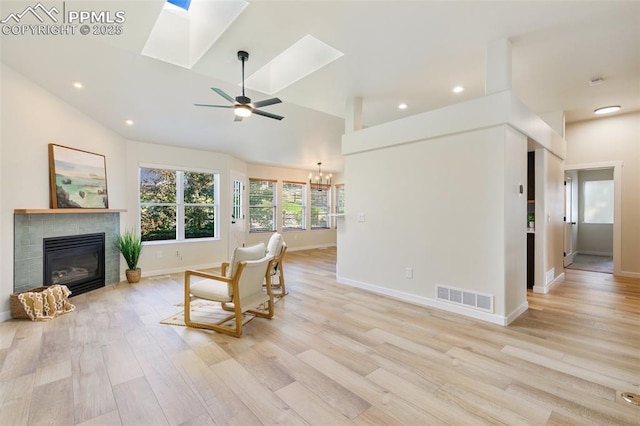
[(238, 289), (277, 248)]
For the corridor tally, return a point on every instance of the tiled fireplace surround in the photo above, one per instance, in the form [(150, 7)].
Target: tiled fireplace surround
[(31, 229)]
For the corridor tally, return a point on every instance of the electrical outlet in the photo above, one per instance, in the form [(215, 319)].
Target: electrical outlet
[(159, 254), (361, 217), (408, 272)]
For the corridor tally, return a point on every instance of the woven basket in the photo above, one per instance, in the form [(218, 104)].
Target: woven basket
[(17, 310)]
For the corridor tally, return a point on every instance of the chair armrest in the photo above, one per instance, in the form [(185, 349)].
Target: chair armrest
[(189, 272), (224, 267)]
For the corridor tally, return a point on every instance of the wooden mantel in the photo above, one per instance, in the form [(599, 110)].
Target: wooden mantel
[(66, 211)]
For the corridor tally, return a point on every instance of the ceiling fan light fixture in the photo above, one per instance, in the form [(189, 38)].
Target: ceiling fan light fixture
[(607, 109), (243, 111)]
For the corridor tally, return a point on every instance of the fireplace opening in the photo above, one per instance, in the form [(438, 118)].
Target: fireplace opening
[(76, 261)]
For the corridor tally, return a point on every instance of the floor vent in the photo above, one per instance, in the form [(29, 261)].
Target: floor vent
[(483, 302)]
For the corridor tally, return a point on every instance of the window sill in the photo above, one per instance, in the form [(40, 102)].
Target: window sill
[(189, 241)]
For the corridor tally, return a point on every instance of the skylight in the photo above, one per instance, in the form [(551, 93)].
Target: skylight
[(304, 57), (182, 4), (181, 37)]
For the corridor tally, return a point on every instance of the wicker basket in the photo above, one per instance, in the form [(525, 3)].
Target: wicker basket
[(17, 310)]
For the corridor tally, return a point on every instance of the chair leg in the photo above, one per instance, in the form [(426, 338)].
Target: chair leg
[(281, 280)]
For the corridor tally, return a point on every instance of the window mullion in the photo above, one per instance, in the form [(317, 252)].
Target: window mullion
[(180, 205)]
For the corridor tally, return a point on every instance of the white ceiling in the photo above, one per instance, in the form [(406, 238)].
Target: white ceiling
[(394, 51)]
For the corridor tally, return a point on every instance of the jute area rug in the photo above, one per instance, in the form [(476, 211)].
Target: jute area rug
[(207, 312)]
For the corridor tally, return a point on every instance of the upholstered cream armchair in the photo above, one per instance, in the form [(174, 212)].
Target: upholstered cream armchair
[(277, 248), (239, 289)]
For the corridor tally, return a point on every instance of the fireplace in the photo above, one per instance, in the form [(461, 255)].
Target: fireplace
[(76, 261)]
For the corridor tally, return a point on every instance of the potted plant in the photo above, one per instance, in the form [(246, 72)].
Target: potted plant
[(531, 218), (130, 245)]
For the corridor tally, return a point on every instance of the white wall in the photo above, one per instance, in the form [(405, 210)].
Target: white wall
[(610, 139), (593, 238), (165, 257), (31, 119), (515, 213), (440, 209), (439, 192), (296, 240)]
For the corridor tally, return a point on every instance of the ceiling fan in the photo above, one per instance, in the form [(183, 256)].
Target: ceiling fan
[(242, 105)]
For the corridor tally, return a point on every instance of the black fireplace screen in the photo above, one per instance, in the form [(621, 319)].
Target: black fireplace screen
[(76, 261)]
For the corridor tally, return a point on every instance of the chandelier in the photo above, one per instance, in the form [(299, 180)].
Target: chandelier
[(319, 180)]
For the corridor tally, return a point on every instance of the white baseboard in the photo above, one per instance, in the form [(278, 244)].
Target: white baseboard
[(545, 289), (517, 312), (595, 253), (5, 316), (317, 246), (156, 272), (629, 274), (215, 265), (425, 301)]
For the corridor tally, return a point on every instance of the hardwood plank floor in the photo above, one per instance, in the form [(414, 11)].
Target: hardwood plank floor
[(332, 355)]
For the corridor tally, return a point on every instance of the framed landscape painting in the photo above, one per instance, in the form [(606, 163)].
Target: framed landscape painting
[(78, 179)]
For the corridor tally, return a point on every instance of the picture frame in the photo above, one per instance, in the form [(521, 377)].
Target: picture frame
[(77, 178)]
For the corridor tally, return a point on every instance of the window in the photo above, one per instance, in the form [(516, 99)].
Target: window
[(293, 206), (320, 204), (262, 205), (598, 201), (339, 201), (237, 204), (177, 205)]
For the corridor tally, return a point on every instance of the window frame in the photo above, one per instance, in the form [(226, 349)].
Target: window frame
[(274, 206), (180, 205), (303, 206), (318, 188)]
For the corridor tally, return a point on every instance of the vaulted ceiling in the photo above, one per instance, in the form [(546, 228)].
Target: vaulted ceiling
[(411, 52)]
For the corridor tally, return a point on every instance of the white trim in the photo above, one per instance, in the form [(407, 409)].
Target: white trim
[(617, 205), (317, 246), (146, 274), (628, 274), (517, 312), (142, 164), (425, 301), (594, 253), (5, 316), (545, 289), (180, 269)]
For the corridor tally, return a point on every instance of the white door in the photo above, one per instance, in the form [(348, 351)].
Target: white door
[(570, 217), (237, 228)]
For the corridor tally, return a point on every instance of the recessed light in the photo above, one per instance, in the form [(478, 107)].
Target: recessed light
[(77, 85), (458, 89), (128, 122), (607, 110), (402, 106)]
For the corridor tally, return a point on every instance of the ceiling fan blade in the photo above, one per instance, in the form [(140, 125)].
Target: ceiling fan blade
[(266, 102), (215, 106), (237, 118), (223, 94), (266, 114)]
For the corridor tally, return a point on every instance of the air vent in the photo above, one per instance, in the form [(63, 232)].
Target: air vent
[(470, 299)]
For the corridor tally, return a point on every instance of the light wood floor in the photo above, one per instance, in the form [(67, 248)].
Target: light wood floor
[(332, 355)]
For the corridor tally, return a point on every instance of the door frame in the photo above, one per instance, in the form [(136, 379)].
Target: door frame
[(237, 176), (570, 208), (617, 205)]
